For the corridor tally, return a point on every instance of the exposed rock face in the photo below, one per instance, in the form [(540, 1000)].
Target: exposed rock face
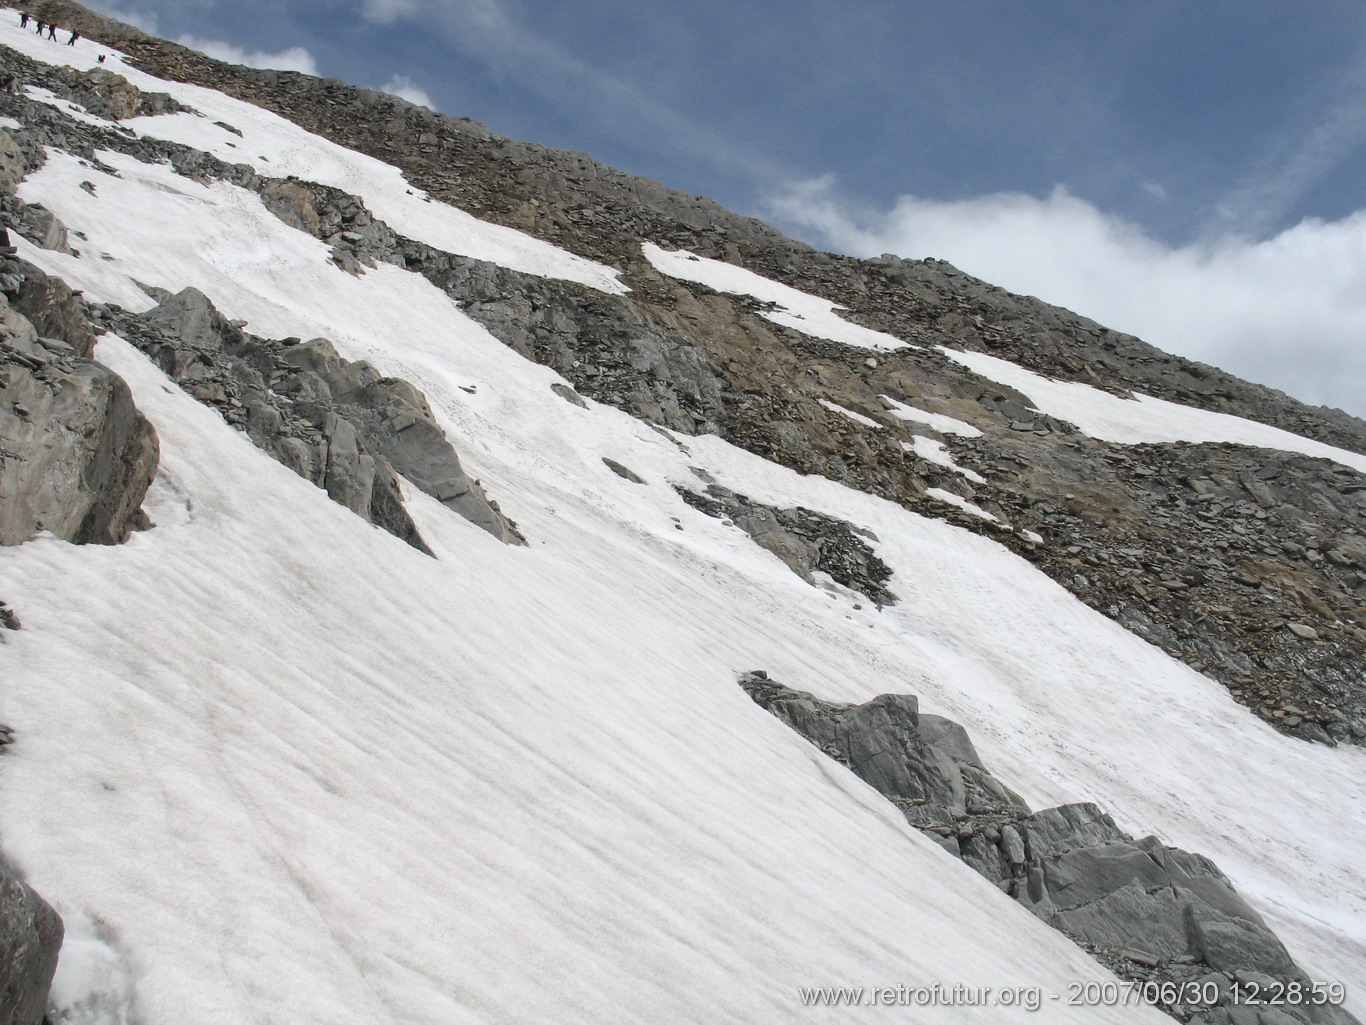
[(336, 423), (76, 456), (30, 938), (808, 542), (1152, 913)]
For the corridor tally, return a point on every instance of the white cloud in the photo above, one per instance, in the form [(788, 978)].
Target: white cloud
[(1288, 311), (403, 87), (295, 58), (386, 11)]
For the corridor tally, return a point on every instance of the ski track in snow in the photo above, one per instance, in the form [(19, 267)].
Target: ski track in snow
[(301, 772)]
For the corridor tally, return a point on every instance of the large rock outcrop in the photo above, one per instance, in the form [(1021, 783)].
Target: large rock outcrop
[(76, 456), (30, 939), (1162, 917), (337, 423)]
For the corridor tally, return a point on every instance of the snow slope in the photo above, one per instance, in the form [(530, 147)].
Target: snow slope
[(274, 765)]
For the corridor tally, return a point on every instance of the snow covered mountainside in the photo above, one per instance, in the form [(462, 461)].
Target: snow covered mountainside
[(395, 517)]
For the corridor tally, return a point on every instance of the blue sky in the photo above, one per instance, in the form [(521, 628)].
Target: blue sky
[(1189, 170)]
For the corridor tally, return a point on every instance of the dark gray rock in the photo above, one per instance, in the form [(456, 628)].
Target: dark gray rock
[(30, 939), (626, 473), (337, 423), (805, 540), (76, 456), (1151, 913)]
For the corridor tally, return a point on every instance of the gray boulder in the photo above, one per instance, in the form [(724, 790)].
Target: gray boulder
[(76, 456), (30, 938)]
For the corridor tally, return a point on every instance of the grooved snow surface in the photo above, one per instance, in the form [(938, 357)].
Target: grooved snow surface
[(800, 311), (1142, 419), (275, 765)]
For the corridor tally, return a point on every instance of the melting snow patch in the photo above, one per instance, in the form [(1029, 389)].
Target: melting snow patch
[(934, 452), (835, 407), (795, 309), (9, 122), (1142, 419), (935, 421), (71, 110), (962, 503)]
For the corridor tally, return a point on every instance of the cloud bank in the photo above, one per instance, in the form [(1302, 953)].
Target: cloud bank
[(1288, 311), (295, 58)]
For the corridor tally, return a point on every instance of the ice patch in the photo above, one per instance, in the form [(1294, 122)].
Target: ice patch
[(168, 502), (93, 984)]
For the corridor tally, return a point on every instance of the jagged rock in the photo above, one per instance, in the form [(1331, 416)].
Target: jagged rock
[(621, 471), (337, 423), (30, 938), (1135, 904), (38, 224), (76, 456), (807, 541)]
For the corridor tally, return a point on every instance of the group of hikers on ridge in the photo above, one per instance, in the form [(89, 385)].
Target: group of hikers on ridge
[(50, 29)]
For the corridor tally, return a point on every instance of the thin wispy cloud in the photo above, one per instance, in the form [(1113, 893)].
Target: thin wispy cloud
[(1288, 311), (1302, 154), (386, 11), (294, 58), (485, 31)]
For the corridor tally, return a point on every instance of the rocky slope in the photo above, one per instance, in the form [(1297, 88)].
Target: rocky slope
[(1249, 565)]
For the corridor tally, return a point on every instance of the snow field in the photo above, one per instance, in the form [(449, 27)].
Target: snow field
[(1142, 419)]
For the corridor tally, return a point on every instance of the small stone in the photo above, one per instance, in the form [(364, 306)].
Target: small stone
[(1307, 633)]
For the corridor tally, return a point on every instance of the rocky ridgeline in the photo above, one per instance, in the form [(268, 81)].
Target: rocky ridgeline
[(337, 423), (1208, 579), (1159, 917), (807, 542)]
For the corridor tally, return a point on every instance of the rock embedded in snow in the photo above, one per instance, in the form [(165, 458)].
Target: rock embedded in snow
[(335, 422), (76, 456), (808, 542), (30, 939), (1155, 914)]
